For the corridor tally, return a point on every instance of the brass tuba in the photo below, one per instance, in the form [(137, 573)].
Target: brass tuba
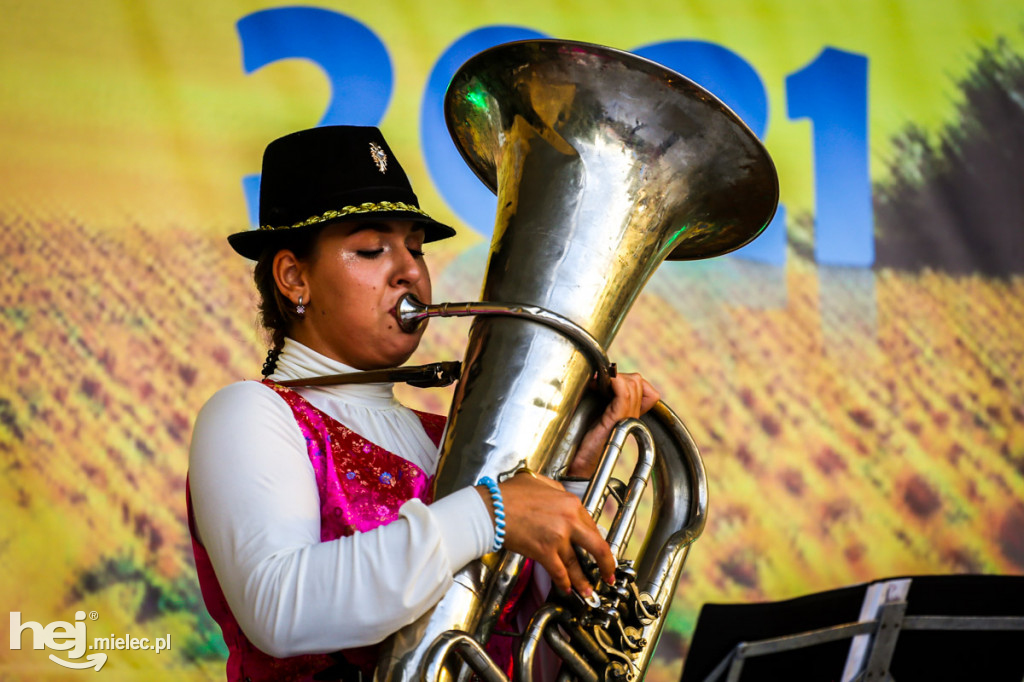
[(604, 165)]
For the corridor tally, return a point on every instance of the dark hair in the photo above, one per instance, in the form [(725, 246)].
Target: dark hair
[(277, 313)]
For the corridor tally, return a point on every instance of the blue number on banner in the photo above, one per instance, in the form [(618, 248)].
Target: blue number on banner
[(463, 191), (832, 91), (354, 59), (734, 81)]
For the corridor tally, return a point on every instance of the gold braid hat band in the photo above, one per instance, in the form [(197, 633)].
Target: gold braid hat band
[(368, 207)]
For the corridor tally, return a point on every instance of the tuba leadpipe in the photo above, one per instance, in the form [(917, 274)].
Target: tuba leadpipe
[(604, 164)]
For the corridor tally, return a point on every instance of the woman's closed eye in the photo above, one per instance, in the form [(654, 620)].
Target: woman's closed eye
[(373, 253)]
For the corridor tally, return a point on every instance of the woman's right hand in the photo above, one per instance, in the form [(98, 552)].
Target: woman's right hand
[(543, 522)]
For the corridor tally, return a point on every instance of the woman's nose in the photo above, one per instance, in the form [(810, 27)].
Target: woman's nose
[(408, 269)]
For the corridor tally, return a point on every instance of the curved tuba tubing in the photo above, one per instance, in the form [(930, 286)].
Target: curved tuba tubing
[(604, 164)]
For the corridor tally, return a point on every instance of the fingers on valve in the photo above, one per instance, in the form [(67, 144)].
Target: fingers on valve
[(576, 575), (590, 539)]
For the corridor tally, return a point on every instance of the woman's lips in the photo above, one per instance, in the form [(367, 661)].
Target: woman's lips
[(393, 311)]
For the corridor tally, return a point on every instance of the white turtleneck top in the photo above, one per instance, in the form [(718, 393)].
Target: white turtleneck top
[(256, 509)]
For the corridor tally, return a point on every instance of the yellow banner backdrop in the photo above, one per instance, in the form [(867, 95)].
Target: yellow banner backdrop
[(853, 378)]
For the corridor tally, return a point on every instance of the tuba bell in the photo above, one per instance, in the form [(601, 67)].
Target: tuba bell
[(604, 164)]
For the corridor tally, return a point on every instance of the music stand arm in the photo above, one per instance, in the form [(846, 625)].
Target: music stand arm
[(884, 630), (733, 662)]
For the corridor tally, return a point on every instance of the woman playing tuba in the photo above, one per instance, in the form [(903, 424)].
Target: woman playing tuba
[(314, 531)]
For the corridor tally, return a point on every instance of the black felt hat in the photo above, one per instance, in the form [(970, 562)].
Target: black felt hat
[(330, 174)]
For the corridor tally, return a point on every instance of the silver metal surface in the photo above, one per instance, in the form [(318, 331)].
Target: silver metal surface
[(679, 514), (621, 525), (887, 634), (604, 164), (744, 650), (591, 135), (963, 623), (411, 313), (468, 649), (403, 654), (681, 497), (680, 510), (545, 615), (545, 624)]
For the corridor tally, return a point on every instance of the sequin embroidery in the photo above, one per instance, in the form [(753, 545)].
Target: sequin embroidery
[(361, 486)]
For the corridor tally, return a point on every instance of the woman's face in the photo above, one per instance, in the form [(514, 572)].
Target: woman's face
[(353, 280)]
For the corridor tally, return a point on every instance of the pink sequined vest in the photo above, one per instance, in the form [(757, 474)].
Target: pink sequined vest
[(361, 486)]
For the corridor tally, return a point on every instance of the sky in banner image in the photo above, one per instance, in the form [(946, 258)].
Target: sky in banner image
[(852, 378)]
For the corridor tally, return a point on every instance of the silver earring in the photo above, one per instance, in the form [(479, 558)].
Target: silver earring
[(300, 309)]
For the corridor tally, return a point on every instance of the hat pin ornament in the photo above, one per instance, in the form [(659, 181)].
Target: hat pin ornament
[(379, 157)]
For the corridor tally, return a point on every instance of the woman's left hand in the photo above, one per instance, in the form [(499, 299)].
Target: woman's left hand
[(632, 396)]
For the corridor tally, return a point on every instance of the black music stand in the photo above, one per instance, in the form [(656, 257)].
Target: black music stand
[(925, 628)]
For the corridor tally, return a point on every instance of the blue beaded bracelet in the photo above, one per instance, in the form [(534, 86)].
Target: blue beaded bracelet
[(499, 511)]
